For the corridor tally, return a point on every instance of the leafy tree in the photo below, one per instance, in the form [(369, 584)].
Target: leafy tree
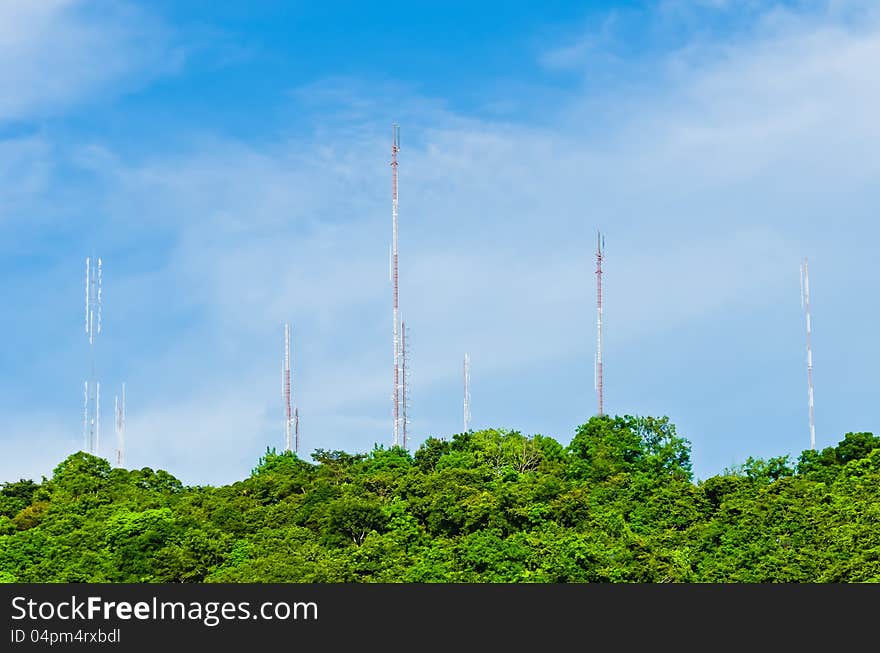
[(80, 475), (617, 504), (763, 471), (354, 517), (16, 496), (855, 446)]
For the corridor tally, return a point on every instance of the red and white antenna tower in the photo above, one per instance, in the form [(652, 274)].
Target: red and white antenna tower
[(467, 393), (120, 429), (396, 392), (805, 304), (598, 371), (93, 316), (404, 386), (285, 388)]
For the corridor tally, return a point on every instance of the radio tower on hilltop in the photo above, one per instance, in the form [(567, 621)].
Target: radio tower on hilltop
[(395, 313), (92, 387), (599, 373), (805, 304), (286, 390), (404, 385)]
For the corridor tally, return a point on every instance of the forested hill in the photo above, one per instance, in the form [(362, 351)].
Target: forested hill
[(618, 504)]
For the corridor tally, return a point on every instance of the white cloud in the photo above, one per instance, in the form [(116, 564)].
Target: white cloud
[(590, 51), (55, 53)]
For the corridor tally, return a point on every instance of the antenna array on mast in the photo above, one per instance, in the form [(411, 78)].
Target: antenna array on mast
[(286, 389), (805, 304), (404, 384), (93, 317), (598, 371), (395, 313)]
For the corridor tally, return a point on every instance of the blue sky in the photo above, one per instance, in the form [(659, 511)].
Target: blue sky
[(230, 166)]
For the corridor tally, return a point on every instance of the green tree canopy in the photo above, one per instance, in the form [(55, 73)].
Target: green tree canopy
[(617, 504)]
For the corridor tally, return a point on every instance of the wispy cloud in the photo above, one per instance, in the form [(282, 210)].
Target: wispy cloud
[(56, 53), (25, 168)]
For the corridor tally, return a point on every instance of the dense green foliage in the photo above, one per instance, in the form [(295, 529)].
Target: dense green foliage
[(618, 504)]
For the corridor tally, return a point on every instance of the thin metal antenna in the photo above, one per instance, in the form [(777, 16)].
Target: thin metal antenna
[(94, 311), (88, 303), (805, 303), (285, 389), (295, 409), (404, 386), (99, 300), (467, 393), (395, 316), (599, 372)]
